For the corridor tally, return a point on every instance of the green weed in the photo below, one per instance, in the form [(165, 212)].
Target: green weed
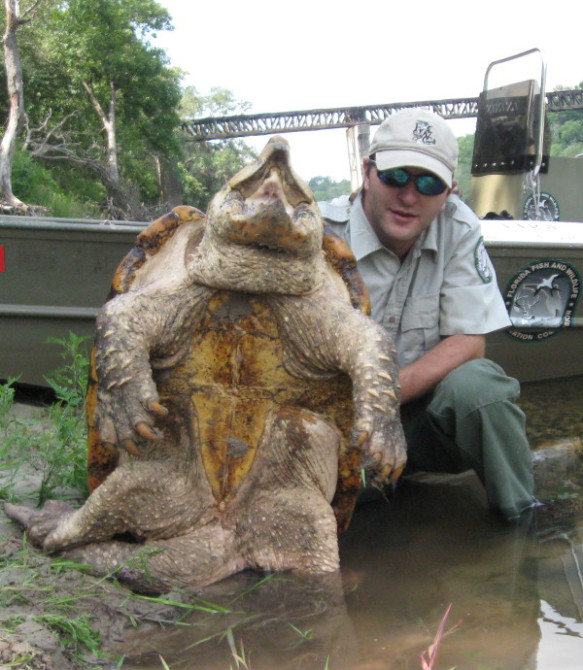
[(7, 393), (303, 635), (11, 439), (238, 654), (55, 446), (74, 633), (69, 382)]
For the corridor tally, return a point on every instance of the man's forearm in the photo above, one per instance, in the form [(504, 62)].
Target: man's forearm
[(426, 372)]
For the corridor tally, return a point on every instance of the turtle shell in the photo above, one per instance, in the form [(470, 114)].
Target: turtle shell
[(234, 377), (102, 459)]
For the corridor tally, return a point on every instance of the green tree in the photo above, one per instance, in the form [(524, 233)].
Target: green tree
[(14, 19), (325, 188), (567, 131), (101, 98), (204, 167), (463, 173)]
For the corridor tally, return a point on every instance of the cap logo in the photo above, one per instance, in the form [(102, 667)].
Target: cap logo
[(423, 133)]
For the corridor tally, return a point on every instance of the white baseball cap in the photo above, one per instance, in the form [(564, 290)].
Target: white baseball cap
[(416, 138)]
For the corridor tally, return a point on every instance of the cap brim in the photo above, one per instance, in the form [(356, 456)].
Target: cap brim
[(386, 160)]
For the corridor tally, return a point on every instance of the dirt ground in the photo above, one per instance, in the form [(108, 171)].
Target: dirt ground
[(54, 616), (32, 634)]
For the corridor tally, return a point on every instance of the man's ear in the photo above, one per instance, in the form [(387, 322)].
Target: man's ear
[(448, 193), (366, 167)]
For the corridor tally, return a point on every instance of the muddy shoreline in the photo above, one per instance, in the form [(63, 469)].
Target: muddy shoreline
[(56, 616)]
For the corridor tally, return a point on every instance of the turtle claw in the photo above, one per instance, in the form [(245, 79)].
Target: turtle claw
[(131, 448), (362, 438), (381, 466), (147, 432), (395, 475), (158, 409)]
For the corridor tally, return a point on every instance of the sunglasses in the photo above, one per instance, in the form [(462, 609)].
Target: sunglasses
[(426, 184)]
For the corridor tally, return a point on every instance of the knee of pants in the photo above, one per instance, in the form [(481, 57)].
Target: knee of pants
[(473, 385)]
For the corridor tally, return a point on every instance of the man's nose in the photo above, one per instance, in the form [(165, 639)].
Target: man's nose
[(408, 193)]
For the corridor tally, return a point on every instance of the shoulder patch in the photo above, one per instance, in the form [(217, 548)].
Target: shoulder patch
[(482, 262)]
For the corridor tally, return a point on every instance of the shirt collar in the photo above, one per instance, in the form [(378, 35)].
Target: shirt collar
[(364, 241)]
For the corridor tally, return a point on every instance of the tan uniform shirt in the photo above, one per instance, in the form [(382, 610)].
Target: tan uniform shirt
[(446, 284)]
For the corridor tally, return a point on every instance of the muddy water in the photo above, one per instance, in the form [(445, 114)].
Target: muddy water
[(516, 592)]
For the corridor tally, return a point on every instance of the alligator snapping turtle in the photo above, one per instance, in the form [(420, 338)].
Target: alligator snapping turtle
[(245, 389)]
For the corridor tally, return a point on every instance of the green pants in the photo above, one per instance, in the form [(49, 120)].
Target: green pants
[(470, 421)]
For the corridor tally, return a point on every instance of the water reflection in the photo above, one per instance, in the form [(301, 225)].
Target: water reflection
[(440, 546), (518, 591)]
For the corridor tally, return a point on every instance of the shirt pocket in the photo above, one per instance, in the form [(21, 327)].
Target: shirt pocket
[(421, 313)]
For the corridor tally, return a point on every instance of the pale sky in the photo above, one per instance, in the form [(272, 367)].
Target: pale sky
[(310, 54)]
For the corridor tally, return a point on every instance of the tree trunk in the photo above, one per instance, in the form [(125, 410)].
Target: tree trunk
[(108, 121), (14, 83), (168, 183)]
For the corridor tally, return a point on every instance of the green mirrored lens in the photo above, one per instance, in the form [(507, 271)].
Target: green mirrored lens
[(399, 176), (426, 184), (396, 177)]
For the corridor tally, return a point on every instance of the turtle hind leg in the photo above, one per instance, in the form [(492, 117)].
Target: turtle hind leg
[(294, 529), (285, 518), (148, 500), (38, 524), (203, 556)]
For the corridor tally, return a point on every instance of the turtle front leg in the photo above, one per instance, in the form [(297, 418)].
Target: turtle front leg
[(324, 335), (132, 330)]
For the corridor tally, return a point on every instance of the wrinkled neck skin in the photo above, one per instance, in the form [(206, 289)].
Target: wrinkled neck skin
[(238, 268), (257, 248)]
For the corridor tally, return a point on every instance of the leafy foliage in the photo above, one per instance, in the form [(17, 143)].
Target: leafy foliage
[(83, 56), (325, 188), (55, 447), (206, 166), (463, 174), (567, 131), (37, 184), (86, 62)]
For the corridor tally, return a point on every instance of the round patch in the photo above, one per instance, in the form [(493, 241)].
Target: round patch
[(482, 261), (541, 299), (548, 208)]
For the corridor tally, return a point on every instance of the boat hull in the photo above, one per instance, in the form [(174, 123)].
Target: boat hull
[(539, 267), (55, 276), (57, 273)]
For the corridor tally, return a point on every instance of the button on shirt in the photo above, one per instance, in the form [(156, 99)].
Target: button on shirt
[(444, 286)]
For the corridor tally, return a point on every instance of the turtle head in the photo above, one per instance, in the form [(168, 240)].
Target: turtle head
[(263, 230), (268, 206)]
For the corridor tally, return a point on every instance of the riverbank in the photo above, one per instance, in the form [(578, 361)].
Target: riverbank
[(56, 616)]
